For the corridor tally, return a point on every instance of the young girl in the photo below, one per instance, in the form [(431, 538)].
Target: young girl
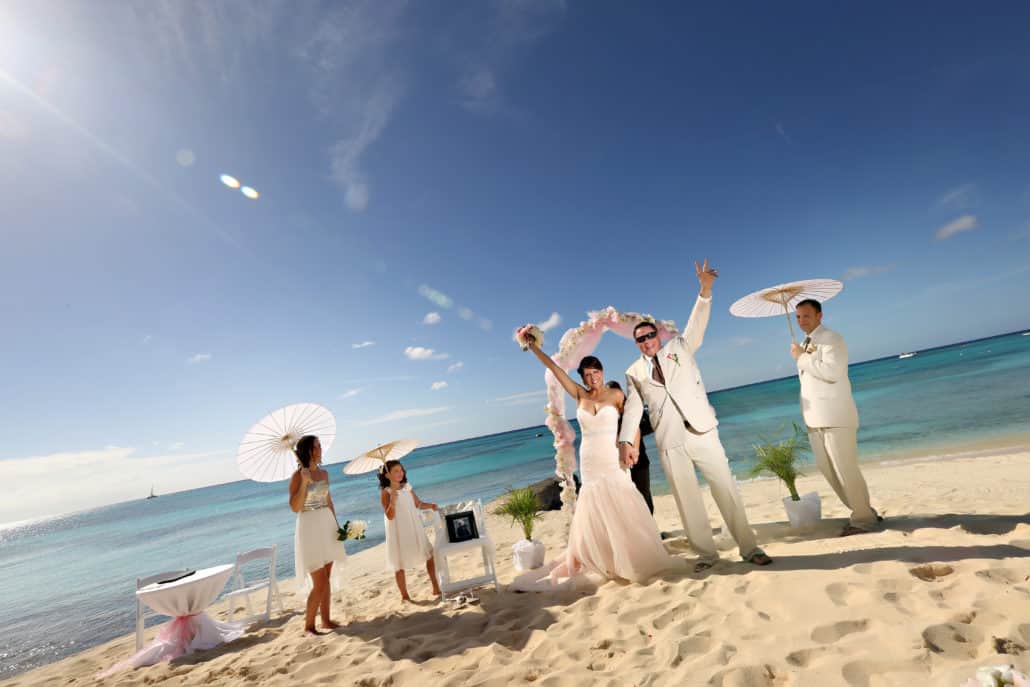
[(406, 543), (314, 543)]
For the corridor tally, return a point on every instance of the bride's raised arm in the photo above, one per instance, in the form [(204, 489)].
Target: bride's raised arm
[(563, 378)]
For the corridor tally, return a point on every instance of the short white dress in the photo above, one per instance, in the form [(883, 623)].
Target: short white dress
[(407, 545), (315, 542)]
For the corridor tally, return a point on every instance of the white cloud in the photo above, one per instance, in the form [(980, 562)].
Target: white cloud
[(550, 323), (420, 353), (514, 27), (454, 367), (524, 397), (432, 318), (963, 223), (199, 358), (865, 271), (403, 415), (351, 393), (959, 198), (363, 344), (436, 386), (77, 480)]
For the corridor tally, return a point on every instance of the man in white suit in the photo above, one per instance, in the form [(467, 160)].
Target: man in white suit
[(667, 380), (830, 413)]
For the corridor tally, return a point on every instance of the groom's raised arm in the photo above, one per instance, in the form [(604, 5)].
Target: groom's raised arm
[(694, 333), (632, 411)]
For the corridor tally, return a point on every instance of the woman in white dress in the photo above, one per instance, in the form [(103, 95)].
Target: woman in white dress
[(315, 546), (407, 545), (612, 533)]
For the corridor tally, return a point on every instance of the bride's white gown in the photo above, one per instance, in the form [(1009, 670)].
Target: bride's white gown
[(613, 534)]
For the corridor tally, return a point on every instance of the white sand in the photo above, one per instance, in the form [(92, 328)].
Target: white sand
[(829, 611)]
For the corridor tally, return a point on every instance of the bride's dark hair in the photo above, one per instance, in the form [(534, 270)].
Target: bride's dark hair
[(304, 448), (589, 363)]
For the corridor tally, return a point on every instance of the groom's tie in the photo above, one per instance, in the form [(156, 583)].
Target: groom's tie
[(656, 371), (804, 344)]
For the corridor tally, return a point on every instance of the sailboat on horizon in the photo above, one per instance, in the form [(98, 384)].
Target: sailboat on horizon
[(152, 494)]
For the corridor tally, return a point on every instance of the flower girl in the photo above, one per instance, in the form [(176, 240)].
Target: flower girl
[(406, 543)]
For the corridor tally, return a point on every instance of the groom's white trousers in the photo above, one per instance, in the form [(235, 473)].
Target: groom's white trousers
[(686, 449)]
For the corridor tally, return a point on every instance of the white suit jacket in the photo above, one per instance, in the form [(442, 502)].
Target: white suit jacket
[(825, 389), (683, 397)]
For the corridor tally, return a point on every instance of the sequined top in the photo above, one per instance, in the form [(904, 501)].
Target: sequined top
[(317, 496)]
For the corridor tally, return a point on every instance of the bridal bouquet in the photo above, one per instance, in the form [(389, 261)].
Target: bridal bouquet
[(529, 333), (352, 529), (997, 676)]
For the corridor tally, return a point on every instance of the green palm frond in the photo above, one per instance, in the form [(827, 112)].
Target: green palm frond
[(523, 508), (779, 458)]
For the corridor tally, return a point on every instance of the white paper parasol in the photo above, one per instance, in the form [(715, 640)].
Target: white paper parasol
[(266, 451), (783, 298), (374, 459)]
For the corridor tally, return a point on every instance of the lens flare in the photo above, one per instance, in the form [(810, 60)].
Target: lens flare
[(230, 181), (185, 157), (249, 192)]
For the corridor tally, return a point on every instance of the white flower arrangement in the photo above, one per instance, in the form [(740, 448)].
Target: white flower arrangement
[(529, 333), (998, 676), (352, 529)]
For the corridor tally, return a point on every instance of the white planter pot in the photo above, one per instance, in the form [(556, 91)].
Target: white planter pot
[(528, 554), (806, 513)]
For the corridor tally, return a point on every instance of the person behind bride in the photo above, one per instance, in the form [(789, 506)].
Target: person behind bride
[(613, 534)]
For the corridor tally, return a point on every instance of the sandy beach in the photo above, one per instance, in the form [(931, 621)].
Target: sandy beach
[(942, 589)]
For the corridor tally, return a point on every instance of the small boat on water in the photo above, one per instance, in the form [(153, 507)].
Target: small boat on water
[(152, 494), (906, 355)]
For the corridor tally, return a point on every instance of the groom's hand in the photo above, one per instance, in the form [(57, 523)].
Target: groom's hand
[(628, 455), (706, 277)]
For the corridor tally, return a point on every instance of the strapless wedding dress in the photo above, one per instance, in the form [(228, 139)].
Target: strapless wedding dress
[(613, 534)]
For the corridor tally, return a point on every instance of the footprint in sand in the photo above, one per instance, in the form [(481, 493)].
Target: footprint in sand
[(745, 676), (931, 571), (955, 639), (828, 634), (802, 657), (691, 647), (858, 673)]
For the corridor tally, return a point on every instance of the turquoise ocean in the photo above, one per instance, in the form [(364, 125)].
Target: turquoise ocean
[(72, 577)]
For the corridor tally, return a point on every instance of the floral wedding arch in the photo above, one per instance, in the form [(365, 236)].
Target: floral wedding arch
[(574, 345)]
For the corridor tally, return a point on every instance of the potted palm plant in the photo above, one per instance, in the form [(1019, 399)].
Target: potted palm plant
[(522, 507), (780, 459)]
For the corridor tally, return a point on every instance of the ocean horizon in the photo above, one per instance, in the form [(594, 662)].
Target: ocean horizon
[(971, 393)]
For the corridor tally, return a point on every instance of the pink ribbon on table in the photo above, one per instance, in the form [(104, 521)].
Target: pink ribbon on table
[(171, 642), (178, 634)]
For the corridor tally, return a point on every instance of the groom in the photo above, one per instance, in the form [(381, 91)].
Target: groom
[(667, 380)]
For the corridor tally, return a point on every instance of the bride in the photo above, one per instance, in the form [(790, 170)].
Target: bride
[(612, 533)]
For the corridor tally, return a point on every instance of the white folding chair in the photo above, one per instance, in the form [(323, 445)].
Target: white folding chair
[(242, 588), (141, 610), (443, 548)]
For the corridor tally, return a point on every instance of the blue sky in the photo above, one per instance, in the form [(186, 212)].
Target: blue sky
[(519, 158)]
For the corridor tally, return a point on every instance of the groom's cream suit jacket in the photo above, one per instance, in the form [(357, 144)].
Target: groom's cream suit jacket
[(683, 397), (825, 389)]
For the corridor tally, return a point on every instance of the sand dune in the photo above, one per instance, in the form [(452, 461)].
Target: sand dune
[(943, 589)]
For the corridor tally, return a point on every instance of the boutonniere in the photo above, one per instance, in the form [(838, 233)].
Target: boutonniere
[(674, 358), (810, 348)]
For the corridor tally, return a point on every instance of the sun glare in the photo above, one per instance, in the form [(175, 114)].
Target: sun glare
[(230, 181)]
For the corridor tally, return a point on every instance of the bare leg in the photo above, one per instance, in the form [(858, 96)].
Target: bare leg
[(402, 585), (431, 569), (319, 585), (326, 600)]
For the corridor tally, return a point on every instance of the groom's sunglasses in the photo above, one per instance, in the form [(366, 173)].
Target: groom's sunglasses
[(644, 337)]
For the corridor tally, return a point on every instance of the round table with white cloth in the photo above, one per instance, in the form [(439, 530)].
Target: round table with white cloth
[(185, 600)]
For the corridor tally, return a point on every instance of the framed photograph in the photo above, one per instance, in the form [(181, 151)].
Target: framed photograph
[(461, 527)]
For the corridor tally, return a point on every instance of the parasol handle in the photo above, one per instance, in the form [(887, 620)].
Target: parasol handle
[(790, 325)]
